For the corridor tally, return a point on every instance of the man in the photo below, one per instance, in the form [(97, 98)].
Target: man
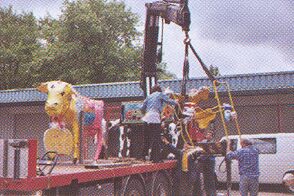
[(207, 163), (248, 160), (187, 175), (152, 108)]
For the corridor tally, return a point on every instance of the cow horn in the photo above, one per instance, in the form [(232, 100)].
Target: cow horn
[(43, 87)]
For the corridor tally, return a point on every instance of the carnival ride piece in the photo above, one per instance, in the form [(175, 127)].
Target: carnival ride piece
[(58, 140), (204, 117), (65, 106), (195, 96)]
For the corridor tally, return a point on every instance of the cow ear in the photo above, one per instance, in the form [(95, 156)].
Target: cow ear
[(43, 87), (68, 89)]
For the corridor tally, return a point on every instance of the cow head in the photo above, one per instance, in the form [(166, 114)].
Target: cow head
[(197, 95), (174, 133), (59, 96)]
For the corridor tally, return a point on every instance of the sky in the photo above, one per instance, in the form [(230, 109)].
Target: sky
[(239, 37)]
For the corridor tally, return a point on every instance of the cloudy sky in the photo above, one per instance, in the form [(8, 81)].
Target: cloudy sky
[(239, 37)]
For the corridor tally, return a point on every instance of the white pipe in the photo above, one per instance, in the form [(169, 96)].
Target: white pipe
[(147, 86)]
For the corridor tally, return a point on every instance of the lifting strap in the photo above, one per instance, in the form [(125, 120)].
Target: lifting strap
[(204, 67), (185, 66)]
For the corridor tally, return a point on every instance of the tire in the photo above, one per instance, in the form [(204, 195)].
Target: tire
[(289, 187), (134, 187), (161, 185)]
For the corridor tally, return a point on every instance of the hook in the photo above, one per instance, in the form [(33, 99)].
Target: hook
[(187, 38)]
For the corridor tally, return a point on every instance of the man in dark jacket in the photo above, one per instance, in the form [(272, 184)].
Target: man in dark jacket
[(207, 163), (187, 175)]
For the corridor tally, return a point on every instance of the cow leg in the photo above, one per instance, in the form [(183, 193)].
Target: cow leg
[(121, 141), (128, 142), (85, 146), (104, 138), (75, 128), (99, 138), (128, 146)]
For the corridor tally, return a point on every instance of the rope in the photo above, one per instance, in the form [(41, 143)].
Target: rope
[(219, 167), (180, 124), (226, 85), (220, 110), (233, 109)]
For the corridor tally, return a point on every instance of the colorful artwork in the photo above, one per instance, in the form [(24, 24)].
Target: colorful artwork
[(64, 105), (58, 140), (131, 112)]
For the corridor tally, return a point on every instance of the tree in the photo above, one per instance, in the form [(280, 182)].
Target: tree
[(162, 73), (214, 70), (18, 35), (94, 41)]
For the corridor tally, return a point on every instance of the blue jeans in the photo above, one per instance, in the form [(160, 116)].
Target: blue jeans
[(248, 185)]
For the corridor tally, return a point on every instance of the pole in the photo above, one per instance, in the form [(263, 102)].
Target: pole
[(229, 176)]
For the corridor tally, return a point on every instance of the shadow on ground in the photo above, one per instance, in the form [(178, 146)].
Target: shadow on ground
[(273, 188)]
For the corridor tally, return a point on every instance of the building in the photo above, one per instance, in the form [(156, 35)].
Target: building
[(264, 103)]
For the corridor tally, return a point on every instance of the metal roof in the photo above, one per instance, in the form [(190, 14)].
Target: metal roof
[(238, 83)]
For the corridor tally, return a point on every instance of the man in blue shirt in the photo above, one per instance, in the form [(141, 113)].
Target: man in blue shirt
[(152, 108), (248, 159)]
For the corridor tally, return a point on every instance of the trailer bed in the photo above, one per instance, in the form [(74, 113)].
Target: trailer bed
[(64, 175)]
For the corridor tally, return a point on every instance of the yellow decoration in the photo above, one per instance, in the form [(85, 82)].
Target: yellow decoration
[(188, 151), (58, 140), (202, 94), (204, 117), (178, 97), (167, 112), (185, 161)]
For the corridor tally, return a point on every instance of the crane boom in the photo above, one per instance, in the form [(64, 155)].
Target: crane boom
[(175, 11)]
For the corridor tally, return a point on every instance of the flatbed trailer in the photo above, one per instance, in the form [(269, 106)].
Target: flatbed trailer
[(125, 177)]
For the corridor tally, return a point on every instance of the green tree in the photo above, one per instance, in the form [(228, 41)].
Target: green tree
[(18, 42), (163, 74), (214, 70), (94, 41)]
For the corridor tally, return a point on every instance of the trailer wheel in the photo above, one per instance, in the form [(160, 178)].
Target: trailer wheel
[(161, 185), (134, 188)]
